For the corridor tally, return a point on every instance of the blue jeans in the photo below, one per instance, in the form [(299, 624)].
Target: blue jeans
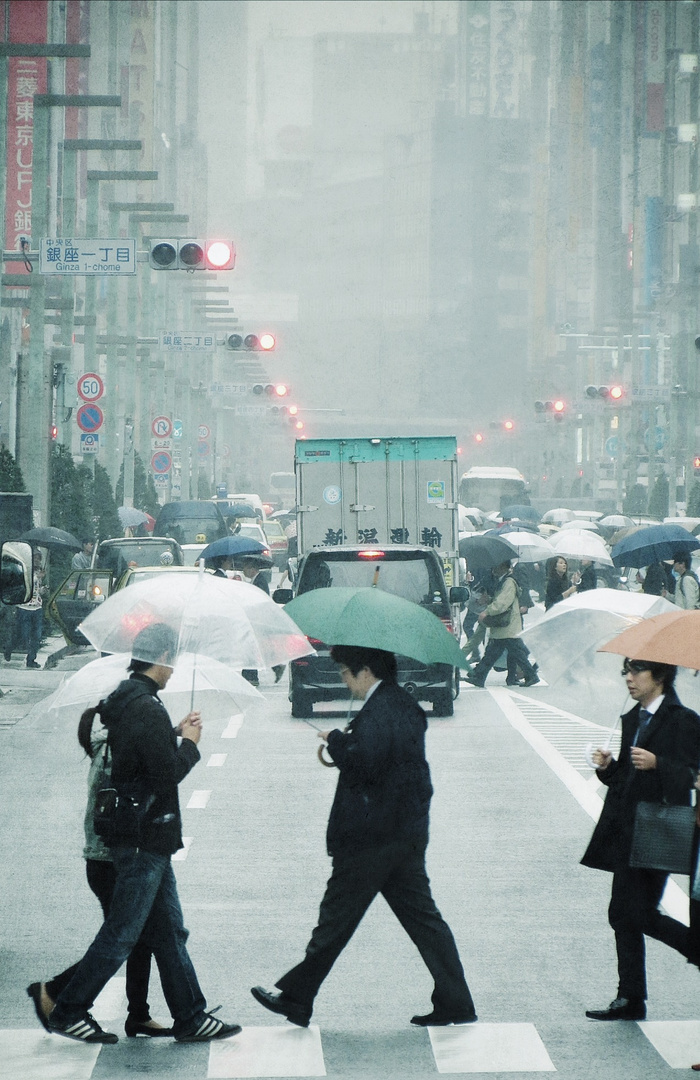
[(144, 905), (30, 625)]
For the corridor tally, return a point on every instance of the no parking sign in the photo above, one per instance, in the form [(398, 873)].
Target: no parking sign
[(161, 462)]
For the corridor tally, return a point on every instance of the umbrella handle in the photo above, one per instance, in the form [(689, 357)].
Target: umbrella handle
[(330, 764)]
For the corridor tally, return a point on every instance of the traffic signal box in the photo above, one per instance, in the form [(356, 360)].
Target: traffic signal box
[(264, 342), (613, 394), (178, 253), (556, 409)]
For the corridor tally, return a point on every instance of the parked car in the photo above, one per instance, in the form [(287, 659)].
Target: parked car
[(414, 573), (277, 542), (195, 522)]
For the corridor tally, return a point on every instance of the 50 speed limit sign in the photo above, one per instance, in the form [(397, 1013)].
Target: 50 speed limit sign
[(90, 386)]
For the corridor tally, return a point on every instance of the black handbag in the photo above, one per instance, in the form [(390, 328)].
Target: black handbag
[(663, 837), (120, 810), (503, 617)]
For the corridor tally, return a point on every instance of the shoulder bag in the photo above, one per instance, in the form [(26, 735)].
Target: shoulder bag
[(503, 617), (120, 810), (663, 837)]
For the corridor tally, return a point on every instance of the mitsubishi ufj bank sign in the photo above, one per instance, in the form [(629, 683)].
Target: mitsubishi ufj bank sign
[(66, 256)]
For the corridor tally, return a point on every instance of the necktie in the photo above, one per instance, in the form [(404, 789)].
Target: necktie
[(644, 718)]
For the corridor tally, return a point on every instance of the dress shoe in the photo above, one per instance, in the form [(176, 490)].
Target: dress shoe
[(148, 1027), (442, 1019), (280, 1003), (33, 664), (620, 1009), (42, 1003), (473, 681)]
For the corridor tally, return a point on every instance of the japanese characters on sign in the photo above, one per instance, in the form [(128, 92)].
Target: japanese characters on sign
[(187, 341), (26, 77), (228, 389), (428, 537), (67, 255)]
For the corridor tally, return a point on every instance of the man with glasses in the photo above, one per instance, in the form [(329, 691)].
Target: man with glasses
[(658, 762)]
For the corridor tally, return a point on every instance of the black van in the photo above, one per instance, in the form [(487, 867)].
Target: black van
[(413, 573), (196, 522)]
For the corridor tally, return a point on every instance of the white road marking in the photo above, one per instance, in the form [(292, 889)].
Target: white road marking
[(182, 854), (268, 1051), (198, 800), (34, 1055), (216, 760), (233, 727), (675, 901), (485, 1048), (678, 1041)]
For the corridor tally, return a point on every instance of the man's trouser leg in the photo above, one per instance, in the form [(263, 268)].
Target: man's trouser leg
[(633, 912), (351, 888), (491, 654), (407, 892)]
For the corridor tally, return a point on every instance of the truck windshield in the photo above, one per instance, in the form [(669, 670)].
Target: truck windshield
[(416, 579)]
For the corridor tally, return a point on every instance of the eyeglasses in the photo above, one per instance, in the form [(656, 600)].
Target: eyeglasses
[(634, 667)]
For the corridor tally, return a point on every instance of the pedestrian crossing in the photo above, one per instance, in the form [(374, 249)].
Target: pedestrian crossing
[(288, 1051)]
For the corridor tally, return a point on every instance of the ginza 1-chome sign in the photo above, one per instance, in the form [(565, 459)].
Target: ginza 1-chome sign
[(65, 255)]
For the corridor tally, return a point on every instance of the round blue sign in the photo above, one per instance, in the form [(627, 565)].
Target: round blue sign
[(89, 417)]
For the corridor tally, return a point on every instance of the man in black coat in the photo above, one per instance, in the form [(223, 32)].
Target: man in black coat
[(377, 836), (658, 762)]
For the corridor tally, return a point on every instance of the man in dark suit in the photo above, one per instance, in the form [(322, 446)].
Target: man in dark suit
[(377, 836), (658, 762)]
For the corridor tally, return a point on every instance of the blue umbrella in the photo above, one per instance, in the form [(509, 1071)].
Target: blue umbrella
[(653, 544), (523, 513), (235, 545)]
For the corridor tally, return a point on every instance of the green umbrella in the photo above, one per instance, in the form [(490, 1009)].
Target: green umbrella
[(375, 619)]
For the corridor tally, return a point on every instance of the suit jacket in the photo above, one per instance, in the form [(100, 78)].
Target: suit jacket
[(384, 787), (673, 734)]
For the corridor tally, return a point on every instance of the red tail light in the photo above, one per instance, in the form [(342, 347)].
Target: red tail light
[(371, 553)]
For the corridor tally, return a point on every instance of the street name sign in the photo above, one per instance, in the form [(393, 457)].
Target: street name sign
[(187, 341), (113, 256)]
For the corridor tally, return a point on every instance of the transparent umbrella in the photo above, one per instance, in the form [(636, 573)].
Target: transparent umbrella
[(219, 691), (230, 621), (531, 547), (566, 638), (581, 544)]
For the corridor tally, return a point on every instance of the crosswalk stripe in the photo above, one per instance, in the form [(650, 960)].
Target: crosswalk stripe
[(677, 1041), (489, 1048), (268, 1051), (34, 1055)]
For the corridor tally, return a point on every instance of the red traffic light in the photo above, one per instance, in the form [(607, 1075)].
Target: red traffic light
[(616, 392), (508, 425), (696, 462), (559, 406), (281, 390), (220, 254)]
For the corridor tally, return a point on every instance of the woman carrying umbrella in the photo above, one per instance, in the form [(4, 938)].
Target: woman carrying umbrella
[(559, 587)]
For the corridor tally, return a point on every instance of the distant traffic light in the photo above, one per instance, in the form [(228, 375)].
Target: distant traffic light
[(607, 393), (264, 342), (559, 408), (696, 464), (178, 253), (508, 425), (478, 438)]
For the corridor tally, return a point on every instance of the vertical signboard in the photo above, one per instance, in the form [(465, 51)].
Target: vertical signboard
[(26, 77), (141, 75)]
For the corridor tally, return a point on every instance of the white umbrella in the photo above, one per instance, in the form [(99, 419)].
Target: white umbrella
[(219, 691), (581, 544), (556, 517), (581, 523), (531, 547), (569, 633), (230, 621)]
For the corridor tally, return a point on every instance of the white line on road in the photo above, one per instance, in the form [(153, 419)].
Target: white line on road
[(233, 727), (198, 800), (268, 1051), (489, 1048), (216, 761), (675, 901)]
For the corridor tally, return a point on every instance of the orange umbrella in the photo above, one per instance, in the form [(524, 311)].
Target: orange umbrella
[(671, 638)]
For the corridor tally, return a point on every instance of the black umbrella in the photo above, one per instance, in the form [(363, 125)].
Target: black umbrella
[(484, 552), (50, 537)]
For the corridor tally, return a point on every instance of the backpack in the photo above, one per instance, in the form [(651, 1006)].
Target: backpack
[(693, 575)]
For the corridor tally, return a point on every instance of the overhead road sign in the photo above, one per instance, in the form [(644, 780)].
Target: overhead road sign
[(69, 256)]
